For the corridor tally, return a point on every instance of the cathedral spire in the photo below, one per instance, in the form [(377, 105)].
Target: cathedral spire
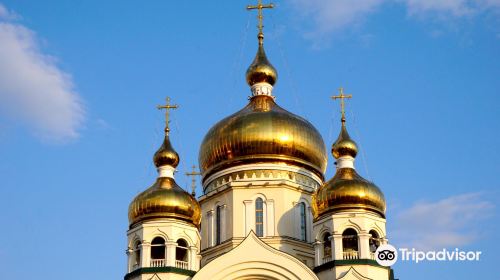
[(344, 149), (261, 75), (166, 158)]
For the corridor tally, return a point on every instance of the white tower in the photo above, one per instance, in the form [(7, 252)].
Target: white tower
[(163, 237), (349, 218)]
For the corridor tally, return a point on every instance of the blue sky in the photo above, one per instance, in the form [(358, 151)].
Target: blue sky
[(80, 81)]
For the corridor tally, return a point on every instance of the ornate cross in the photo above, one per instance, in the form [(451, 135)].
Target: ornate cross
[(167, 108), (193, 175), (260, 7), (342, 96)]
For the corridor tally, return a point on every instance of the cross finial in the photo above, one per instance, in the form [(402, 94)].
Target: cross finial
[(260, 16), (193, 175), (167, 108), (342, 96)]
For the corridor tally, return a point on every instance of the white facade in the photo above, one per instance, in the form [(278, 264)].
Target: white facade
[(369, 229), (169, 250), (236, 192)]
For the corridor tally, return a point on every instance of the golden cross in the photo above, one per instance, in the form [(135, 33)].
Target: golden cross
[(260, 7), (193, 175), (342, 96), (167, 108)]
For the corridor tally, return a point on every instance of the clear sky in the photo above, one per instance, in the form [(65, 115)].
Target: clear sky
[(80, 81)]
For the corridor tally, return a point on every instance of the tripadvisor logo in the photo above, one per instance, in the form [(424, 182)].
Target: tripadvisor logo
[(387, 255)]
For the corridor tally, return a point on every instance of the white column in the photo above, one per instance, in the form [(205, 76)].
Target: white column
[(171, 246), (129, 258), (223, 223), (249, 216), (264, 219), (270, 217), (337, 249), (309, 223), (194, 263), (210, 228), (295, 222), (145, 254), (364, 248), (318, 253)]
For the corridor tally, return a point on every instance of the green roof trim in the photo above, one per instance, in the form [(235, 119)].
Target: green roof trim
[(151, 270)]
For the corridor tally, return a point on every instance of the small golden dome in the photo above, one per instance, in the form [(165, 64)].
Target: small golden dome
[(166, 155), (164, 199), (261, 70), (348, 190), (262, 132), (344, 146)]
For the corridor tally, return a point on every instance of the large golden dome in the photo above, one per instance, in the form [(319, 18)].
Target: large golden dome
[(262, 132), (164, 199)]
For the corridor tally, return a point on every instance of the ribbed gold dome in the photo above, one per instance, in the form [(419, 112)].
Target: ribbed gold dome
[(164, 199), (166, 155), (262, 132), (261, 70), (348, 190), (344, 146)]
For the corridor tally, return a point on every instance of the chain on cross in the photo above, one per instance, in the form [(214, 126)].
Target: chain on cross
[(167, 108), (342, 96)]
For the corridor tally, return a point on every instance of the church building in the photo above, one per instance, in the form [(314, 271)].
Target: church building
[(266, 211)]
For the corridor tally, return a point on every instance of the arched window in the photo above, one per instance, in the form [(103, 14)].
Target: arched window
[(158, 250), (181, 254), (350, 244), (218, 224), (327, 246), (303, 220), (374, 241), (137, 254), (259, 217)]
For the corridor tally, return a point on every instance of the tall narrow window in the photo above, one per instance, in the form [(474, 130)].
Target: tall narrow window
[(217, 224), (259, 217), (303, 220)]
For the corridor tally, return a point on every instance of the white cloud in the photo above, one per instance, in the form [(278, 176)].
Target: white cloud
[(33, 89), (449, 222), (333, 15), (453, 7), (6, 14)]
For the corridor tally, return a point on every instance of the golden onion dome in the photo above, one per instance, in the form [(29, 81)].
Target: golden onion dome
[(348, 190), (344, 146), (261, 70), (262, 132), (164, 199), (166, 155)]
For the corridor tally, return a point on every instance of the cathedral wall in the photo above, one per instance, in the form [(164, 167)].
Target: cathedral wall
[(281, 215)]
